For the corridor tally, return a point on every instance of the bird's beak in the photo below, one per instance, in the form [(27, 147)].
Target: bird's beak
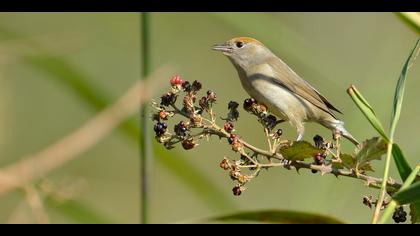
[(225, 48)]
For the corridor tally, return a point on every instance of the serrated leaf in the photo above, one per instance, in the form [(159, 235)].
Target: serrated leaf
[(347, 161), (371, 149), (278, 217), (299, 151)]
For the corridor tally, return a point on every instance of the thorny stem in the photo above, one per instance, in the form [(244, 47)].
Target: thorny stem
[(370, 181)]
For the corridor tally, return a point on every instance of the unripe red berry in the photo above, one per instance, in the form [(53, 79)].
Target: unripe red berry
[(176, 80)]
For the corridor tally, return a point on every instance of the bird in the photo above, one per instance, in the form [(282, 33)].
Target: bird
[(270, 81)]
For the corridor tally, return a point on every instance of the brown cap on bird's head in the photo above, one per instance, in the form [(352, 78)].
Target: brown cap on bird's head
[(245, 40)]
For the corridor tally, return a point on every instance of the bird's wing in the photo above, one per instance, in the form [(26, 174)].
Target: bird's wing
[(293, 82)]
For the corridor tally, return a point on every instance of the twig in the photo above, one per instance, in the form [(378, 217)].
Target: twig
[(370, 181), (35, 202), (71, 146)]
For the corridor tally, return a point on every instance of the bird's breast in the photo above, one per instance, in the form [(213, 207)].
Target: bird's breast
[(259, 84)]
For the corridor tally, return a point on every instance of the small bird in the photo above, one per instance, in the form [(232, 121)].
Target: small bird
[(270, 81)]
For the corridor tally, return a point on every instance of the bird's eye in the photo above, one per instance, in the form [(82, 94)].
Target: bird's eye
[(239, 44)]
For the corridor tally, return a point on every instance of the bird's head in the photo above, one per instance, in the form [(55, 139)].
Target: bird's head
[(244, 51)]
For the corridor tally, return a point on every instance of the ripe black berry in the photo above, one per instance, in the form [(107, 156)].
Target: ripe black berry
[(160, 128), (196, 86), (237, 190), (248, 103), (399, 215), (181, 129), (270, 122), (232, 105), (319, 141), (186, 86), (167, 99)]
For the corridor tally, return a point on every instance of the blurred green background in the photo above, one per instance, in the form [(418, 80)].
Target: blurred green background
[(330, 50)]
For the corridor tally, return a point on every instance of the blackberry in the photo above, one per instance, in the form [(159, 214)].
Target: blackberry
[(232, 105), (167, 99), (188, 144), (232, 138), (237, 190), (270, 122), (248, 103), (203, 103), (187, 86), (181, 129), (196, 86), (228, 126), (211, 96), (399, 215), (319, 159), (160, 128), (318, 140), (176, 80)]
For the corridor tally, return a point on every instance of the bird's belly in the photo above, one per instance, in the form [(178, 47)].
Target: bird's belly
[(279, 100)]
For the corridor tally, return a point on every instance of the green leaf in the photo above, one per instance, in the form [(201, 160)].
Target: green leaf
[(402, 165), (278, 217), (77, 211), (371, 149), (299, 151), (399, 90), (347, 161), (408, 195), (96, 98), (367, 110)]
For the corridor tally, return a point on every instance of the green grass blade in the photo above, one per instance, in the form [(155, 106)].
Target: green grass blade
[(277, 217), (394, 203), (77, 211), (402, 165), (367, 111), (409, 195), (399, 90), (144, 142), (412, 19)]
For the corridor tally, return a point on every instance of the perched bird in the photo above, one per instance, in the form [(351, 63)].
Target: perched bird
[(270, 81)]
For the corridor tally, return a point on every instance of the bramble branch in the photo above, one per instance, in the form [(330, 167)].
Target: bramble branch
[(195, 125)]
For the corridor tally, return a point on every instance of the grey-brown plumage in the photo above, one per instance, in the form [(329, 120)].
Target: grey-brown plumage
[(269, 80)]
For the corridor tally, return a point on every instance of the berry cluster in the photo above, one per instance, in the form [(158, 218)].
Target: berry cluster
[(399, 215), (168, 108), (236, 175), (261, 111)]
